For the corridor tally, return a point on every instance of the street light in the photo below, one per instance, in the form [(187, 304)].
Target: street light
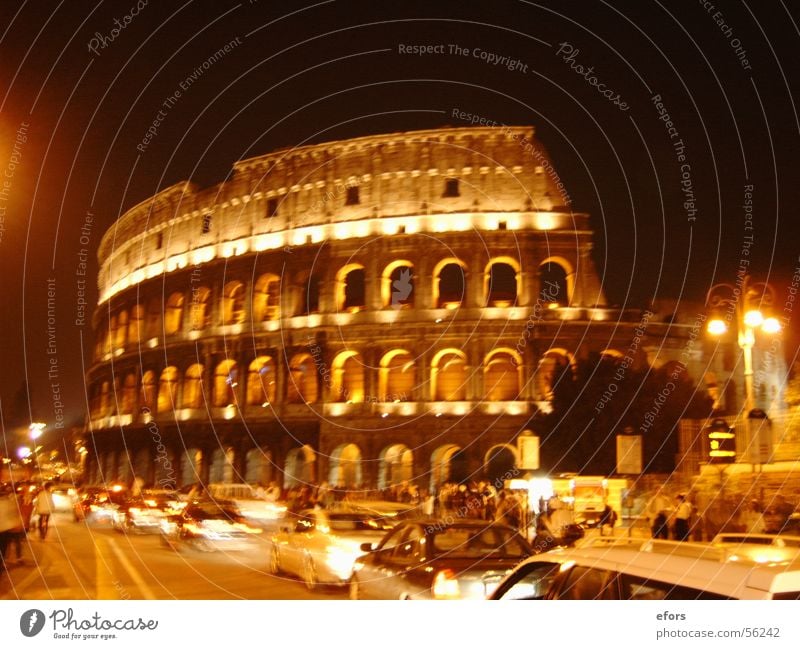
[(749, 319)]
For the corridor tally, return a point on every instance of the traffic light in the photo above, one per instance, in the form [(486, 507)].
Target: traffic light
[(721, 442)]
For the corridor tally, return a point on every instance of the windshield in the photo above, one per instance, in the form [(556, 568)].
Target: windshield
[(477, 542)]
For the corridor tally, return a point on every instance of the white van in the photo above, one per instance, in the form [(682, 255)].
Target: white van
[(633, 569)]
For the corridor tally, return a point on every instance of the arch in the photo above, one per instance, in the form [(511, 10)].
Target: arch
[(220, 469), (168, 389), (351, 288), (397, 285), (153, 318), (136, 324), (300, 467), (396, 466), (502, 375), (441, 465), (345, 468), (110, 334), (302, 387), (553, 363), (449, 375), (199, 315), (121, 332), (449, 283), (105, 399), (396, 376), (193, 386), (191, 466), (233, 297), (614, 354), (556, 281), (226, 380), (501, 282), (267, 298), (348, 377), (149, 390), (173, 314), (261, 381), (258, 466), (499, 463), (128, 405)]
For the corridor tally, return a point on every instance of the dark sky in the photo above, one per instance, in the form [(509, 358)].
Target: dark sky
[(310, 72)]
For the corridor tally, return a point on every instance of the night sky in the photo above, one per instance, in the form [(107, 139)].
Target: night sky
[(81, 83)]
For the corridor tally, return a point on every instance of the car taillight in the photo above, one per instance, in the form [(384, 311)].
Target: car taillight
[(445, 585)]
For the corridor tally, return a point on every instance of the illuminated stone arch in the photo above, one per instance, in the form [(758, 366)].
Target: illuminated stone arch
[(129, 389), (191, 466), (307, 293), (173, 314), (300, 467), (441, 465), (168, 389), (302, 385), (267, 298), (396, 376), (233, 303), (449, 375), (220, 468), (348, 377), (226, 380), (136, 324), (499, 464), (258, 466), (149, 390), (502, 375), (193, 386), (396, 466), (554, 361), (502, 282), (121, 330), (345, 466), (199, 314), (449, 283), (397, 285), (556, 281), (351, 292), (261, 381)]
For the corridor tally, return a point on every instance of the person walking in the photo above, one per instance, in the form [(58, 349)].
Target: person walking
[(683, 512), (44, 507)]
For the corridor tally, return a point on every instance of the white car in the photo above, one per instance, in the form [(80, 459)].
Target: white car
[(252, 507)]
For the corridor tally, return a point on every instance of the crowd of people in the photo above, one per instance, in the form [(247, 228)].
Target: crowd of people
[(19, 508)]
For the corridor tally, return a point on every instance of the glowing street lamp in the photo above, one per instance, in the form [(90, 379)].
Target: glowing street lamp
[(36, 429)]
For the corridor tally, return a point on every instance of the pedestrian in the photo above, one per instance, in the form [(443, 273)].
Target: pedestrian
[(607, 517), (7, 523), (44, 507), (680, 525)]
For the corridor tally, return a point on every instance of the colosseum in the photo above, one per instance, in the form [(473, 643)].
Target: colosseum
[(364, 312)]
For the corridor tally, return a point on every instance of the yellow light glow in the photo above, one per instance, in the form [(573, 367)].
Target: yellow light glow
[(716, 327), (543, 221), (753, 319), (771, 326)]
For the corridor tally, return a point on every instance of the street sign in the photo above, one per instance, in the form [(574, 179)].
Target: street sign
[(759, 437), (629, 454), (721, 442)]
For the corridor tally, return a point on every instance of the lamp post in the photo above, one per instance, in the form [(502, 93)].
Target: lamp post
[(749, 319)]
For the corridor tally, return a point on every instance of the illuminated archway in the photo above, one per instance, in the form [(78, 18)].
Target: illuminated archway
[(499, 464), (173, 314), (396, 376), (302, 385), (199, 311), (396, 467), (168, 389), (552, 365), (348, 377), (136, 324), (449, 375), (441, 466), (345, 470), (397, 285), (266, 298), (449, 284), (502, 375), (193, 386), (556, 281), (149, 390), (351, 288), (261, 382), (233, 295), (128, 405), (226, 380), (501, 282)]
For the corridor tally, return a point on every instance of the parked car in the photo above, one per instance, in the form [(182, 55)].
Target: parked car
[(208, 525), (657, 570), (322, 546), (438, 559)]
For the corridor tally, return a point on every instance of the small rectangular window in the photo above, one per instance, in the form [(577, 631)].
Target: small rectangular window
[(272, 207), (159, 240), (352, 196), (451, 188), (206, 224), (502, 225)]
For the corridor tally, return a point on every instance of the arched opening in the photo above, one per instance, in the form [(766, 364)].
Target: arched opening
[(555, 283), (168, 389), (348, 378), (191, 466), (226, 380), (396, 467), (441, 466), (121, 332), (309, 291), (136, 324), (300, 467), (110, 334), (173, 314), (449, 375), (554, 364), (397, 376), (449, 284), (499, 464), (397, 285), (351, 288), (501, 376), (153, 323), (267, 298), (501, 284), (233, 295), (199, 312), (345, 468), (149, 390), (128, 405), (105, 399), (261, 382), (258, 466), (193, 386), (302, 387), (221, 467)]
